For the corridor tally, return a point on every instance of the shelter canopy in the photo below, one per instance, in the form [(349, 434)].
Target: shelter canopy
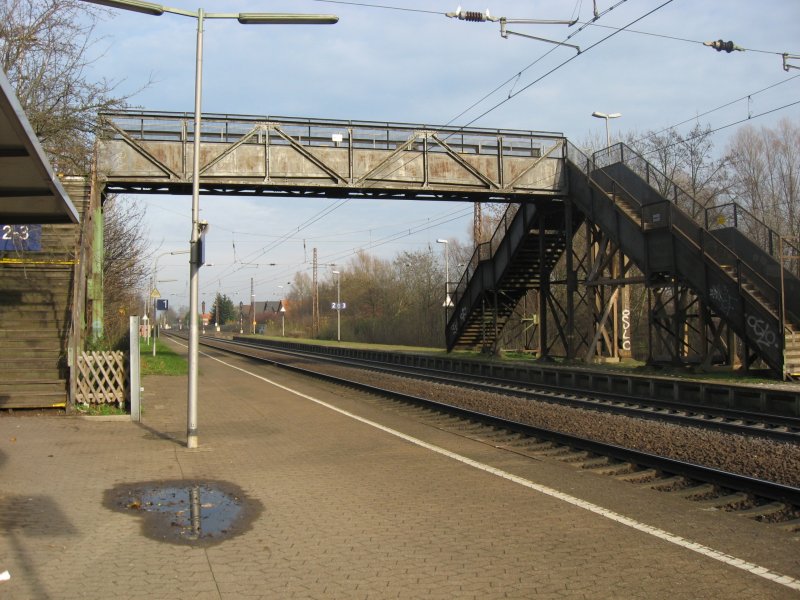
[(29, 190)]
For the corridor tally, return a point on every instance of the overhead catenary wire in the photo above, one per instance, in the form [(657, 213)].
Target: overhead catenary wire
[(720, 128), (529, 66), (382, 6), (675, 38), (726, 105), (566, 62)]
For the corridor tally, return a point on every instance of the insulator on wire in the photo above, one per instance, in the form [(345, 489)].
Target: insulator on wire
[(720, 45), (471, 15)]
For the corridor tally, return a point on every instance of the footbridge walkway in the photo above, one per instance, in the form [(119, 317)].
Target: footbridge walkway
[(152, 152)]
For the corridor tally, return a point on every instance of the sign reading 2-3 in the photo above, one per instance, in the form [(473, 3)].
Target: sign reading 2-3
[(21, 238)]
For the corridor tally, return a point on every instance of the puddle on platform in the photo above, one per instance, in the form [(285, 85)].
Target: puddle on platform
[(186, 512)]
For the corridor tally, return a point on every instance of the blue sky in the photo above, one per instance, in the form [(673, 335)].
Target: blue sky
[(415, 66)]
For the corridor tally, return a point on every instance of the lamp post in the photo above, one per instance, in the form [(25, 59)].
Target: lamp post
[(283, 313), (626, 294), (605, 116), (195, 259), (447, 301), (153, 291), (338, 305)]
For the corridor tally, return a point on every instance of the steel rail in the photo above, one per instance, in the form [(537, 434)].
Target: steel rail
[(722, 479)]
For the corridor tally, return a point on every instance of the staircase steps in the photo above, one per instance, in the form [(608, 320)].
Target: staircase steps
[(792, 352), (735, 273), (523, 257), (34, 320)]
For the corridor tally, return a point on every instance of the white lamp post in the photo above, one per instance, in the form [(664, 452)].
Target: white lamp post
[(447, 301), (605, 116), (194, 247), (626, 334), (338, 305)]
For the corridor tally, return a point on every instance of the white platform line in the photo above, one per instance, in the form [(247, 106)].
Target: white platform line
[(727, 559)]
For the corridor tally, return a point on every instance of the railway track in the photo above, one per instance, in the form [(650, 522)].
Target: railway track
[(716, 489), (769, 426)]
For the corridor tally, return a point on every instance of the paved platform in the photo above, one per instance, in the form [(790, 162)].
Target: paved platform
[(350, 501)]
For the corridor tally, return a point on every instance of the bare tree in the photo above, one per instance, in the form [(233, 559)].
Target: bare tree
[(688, 161), (44, 53), (764, 178), (125, 263)]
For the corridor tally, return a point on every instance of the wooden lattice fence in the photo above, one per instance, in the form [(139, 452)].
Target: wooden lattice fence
[(101, 378)]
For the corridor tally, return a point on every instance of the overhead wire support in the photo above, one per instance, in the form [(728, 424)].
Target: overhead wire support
[(479, 17), (504, 33), (786, 58)]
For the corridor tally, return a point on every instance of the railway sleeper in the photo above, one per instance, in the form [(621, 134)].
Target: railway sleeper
[(594, 462), (552, 450), (531, 444), (640, 476), (667, 483), (791, 526), (763, 511), (576, 457), (702, 491), (724, 500), (616, 470)]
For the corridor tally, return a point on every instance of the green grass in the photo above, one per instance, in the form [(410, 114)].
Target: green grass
[(165, 362), (104, 410)]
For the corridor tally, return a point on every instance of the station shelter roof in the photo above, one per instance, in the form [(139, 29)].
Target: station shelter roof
[(30, 192)]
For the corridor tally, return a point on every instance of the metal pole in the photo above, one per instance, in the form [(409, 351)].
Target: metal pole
[(155, 324), (135, 370), (338, 307), (785, 373), (194, 255)]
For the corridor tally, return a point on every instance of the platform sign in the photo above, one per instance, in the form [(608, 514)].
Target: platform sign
[(21, 238), (162, 304)]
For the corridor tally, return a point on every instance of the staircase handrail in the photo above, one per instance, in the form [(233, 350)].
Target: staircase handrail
[(483, 251), (770, 234), (649, 170), (721, 253)]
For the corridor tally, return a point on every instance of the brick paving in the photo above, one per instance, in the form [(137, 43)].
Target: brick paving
[(343, 510)]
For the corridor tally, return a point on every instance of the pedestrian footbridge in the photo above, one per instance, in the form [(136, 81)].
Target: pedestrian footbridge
[(581, 229)]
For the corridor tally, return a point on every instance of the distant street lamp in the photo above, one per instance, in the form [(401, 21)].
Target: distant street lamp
[(625, 298), (600, 115), (338, 305), (195, 258), (155, 290), (447, 301)]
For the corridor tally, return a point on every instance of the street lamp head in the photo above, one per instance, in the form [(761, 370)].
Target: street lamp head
[(441, 241), (147, 8), (285, 19), (335, 272), (601, 115)]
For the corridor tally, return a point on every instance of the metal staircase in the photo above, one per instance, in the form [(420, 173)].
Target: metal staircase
[(725, 255), (526, 245), (668, 234)]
